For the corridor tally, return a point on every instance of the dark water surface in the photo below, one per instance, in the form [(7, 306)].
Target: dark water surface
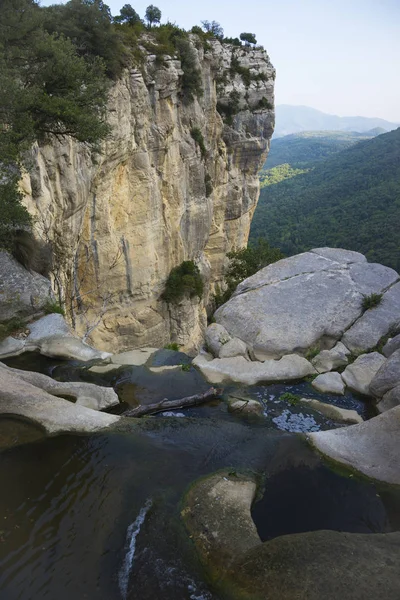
[(97, 517)]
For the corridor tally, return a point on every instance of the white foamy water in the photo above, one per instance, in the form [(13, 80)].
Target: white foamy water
[(130, 547)]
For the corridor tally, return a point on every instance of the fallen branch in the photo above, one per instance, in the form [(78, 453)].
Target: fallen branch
[(166, 404)]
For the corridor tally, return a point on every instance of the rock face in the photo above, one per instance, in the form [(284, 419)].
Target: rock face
[(21, 293), (312, 300), (387, 377), (152, 198)]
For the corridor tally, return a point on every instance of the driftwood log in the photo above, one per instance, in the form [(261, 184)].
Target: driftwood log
[(166, 404)]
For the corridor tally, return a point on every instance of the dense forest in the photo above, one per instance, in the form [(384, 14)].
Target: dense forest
[(350, 199)]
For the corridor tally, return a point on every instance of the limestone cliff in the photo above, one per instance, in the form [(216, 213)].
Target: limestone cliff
[(120, 220)]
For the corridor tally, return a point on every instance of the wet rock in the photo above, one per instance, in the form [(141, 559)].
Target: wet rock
[(320, 565), (239, 369), (328, 360), (331, 383), (217, 514), (371, 447), (303, 301), (336, 413), (245, 407), (358, 376), (387, 377)]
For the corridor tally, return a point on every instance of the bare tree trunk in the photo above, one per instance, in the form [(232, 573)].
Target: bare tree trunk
[(174, 404)]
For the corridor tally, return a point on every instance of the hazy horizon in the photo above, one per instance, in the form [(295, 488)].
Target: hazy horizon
[(338, 57)]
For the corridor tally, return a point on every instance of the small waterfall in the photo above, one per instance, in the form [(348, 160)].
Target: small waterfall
[(130, 546)]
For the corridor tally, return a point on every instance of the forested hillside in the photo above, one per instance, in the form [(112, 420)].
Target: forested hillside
[(351, 200), (299, 149)]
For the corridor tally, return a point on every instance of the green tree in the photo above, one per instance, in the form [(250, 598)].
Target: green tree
[(153, 14), (46, 89), (127, 14), (248, 38), (214, 28)]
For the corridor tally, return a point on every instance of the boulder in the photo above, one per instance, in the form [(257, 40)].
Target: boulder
[(217, 514), (11, 347), (387, 377), (328, 360), (215, 337), (288, 368), (391, 346), (319, 565), (371, 447), (375, 323), (22, 293), (234, 347), (389, 400), (245, 406), (49, 326), (84, 394), (66, 348), (55, 415), (336, 413), (358, 376), (330, 383), (302, 301)]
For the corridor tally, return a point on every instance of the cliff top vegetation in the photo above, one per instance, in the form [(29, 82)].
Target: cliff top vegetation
[(56, 65)]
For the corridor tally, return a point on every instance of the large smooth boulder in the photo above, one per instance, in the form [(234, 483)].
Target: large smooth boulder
[(68, 348), (358, 376), (55, 415), (387, 377), (375, 323), (22, 293), (238, 369), (371, 447), (329, 383), (303, 301)]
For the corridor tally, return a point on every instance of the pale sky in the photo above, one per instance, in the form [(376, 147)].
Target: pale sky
[(339, 56)]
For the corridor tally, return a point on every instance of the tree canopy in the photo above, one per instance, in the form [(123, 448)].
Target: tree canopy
[(249, 38), (153, 14)]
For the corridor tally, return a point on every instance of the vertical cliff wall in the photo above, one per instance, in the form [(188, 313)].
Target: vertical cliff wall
[(120, 220)]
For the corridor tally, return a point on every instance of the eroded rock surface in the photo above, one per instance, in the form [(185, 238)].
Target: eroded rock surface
[(371, 447), (331, 383), (359, 375), (310, 300)]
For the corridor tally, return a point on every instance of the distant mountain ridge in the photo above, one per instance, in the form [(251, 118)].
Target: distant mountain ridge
[(294, 119)]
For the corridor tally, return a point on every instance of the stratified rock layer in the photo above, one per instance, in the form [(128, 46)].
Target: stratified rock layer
[(152, 198)]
